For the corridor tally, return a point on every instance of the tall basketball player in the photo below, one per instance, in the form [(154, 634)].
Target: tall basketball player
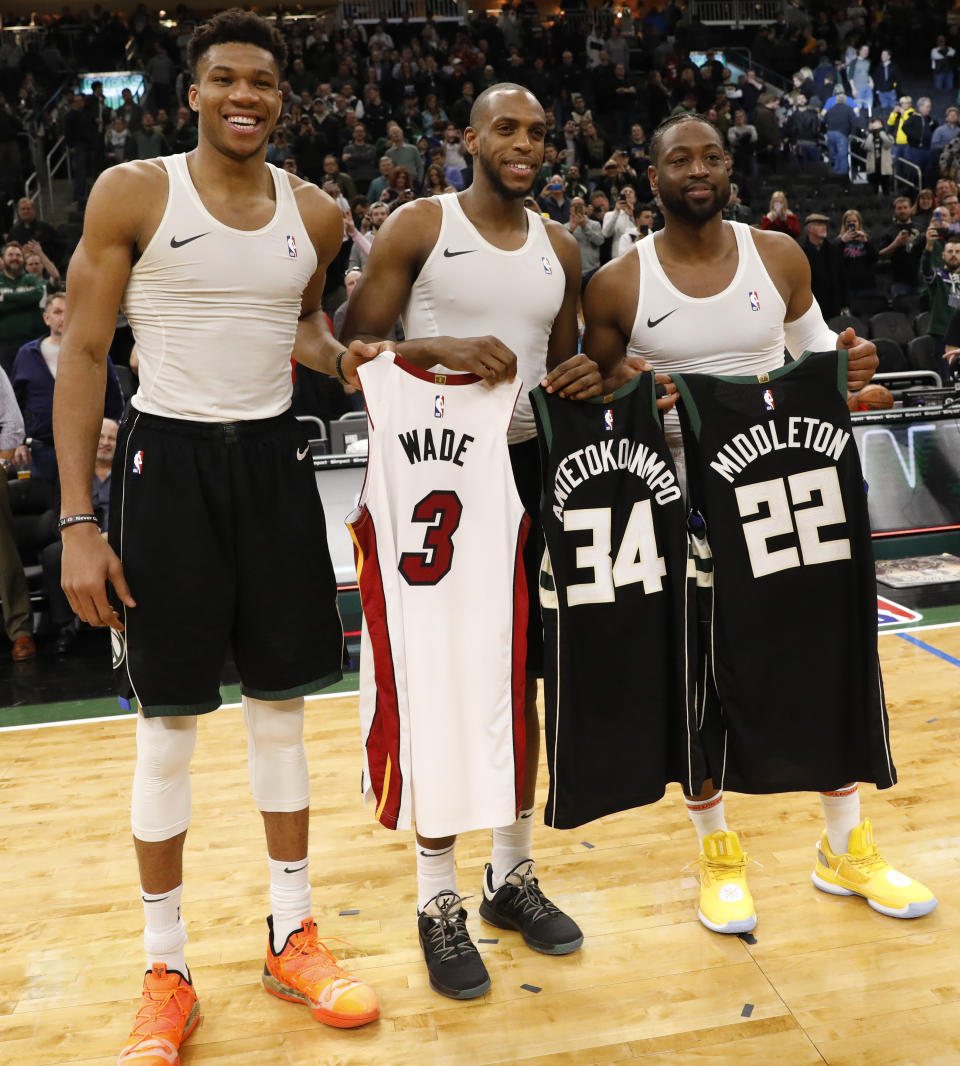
[(716, 297), (486, 286), (217, 532)]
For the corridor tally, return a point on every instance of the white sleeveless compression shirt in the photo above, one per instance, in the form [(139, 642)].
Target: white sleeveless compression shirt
[(214, 310), (736, 331), (470, 288)]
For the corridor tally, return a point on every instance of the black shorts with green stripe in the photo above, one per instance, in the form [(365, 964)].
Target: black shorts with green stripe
[(221, 533)]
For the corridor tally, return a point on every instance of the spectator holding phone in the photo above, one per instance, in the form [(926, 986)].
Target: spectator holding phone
[(588, 236), (940, 275), (643, 227), (858, 258), (779, 217), (902, 245), (554, 202)]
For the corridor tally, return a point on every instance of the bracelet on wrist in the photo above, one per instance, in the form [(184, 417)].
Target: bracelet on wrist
[(76, 520), (340, 373)]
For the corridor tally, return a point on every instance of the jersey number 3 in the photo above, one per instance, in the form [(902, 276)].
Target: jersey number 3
[(441, 512)]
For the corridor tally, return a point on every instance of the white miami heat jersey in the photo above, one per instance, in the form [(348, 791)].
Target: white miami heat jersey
[(438, 535)]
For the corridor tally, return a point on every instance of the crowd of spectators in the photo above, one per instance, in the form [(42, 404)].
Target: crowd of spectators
[(375, 114)]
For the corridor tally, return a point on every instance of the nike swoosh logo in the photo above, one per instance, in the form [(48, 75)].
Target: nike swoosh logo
[(296, 869), (303, 454), (651, 322), (449, 255), (526, 815), (174, 243), (160, 900)]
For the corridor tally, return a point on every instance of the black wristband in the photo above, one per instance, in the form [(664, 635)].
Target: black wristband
[(340, 366), (76, 519)]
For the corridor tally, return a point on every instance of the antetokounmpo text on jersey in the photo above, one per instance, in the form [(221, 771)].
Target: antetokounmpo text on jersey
[(764, 437), (610, 455)]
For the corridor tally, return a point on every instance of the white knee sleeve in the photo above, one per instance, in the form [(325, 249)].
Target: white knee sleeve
[(279, 779), (161, 782)]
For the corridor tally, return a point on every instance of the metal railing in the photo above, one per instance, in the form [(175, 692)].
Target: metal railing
[(59, 150), (737, 13), (395, 10), (915, 186)]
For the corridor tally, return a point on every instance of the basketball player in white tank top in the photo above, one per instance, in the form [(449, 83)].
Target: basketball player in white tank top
[(709, 296), (488, 244), (192, 392)]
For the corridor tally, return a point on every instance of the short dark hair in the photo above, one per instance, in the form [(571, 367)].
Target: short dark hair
[(481, 103), (676, 120), (236, 26)]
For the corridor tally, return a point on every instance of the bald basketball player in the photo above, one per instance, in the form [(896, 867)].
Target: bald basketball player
[(680, 303), (486, 286), (216, 529)]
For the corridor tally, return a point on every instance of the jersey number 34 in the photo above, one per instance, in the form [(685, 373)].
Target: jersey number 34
[(638, 558)]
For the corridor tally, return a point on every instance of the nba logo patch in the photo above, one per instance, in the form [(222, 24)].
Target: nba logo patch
[(291, 246), (754, 298), (138, 462), (438, 407), (608, 420), (547, 269), (768, 400)]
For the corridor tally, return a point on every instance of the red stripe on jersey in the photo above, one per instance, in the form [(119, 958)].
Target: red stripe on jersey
[(521, 611), (383, 740)]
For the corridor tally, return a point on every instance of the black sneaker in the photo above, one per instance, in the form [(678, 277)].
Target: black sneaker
[(453, 962), (520, 904)]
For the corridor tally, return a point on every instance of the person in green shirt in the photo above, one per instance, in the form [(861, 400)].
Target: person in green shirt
[(20, 296)]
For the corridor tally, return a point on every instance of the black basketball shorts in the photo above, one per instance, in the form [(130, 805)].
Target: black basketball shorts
[(525, 460), (221, 534)]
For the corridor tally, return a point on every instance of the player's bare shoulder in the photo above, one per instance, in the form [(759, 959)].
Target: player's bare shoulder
[(130, 199), (409, 234), (784, 259), (563, 241)]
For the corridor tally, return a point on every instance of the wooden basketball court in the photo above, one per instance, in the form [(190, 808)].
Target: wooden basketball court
[(826, 981)]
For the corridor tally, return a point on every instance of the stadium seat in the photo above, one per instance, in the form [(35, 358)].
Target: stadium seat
[(921, 323), (890, 354), (840, 322), (892, 324), (920, 353)]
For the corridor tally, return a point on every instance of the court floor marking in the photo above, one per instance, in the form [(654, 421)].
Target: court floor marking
[(127, 717), (930, 648)]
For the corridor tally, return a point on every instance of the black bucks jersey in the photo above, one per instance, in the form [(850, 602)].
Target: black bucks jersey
[(618, 685), (773, 468)]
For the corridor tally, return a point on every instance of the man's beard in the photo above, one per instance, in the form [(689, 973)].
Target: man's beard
[(497, 182), (681, 207)]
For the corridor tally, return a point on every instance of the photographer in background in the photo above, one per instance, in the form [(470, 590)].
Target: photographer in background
[(553, 201), (589, 237), (643, 227), (940, 275), (902, 245)]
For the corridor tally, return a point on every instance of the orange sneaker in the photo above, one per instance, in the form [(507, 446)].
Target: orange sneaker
[(305, 971), (168, 1014)]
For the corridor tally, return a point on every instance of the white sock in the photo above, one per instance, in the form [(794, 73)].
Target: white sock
[(436, 872), (707, 815), (841, 812), (290, 899), (511, 845), (164, 934)]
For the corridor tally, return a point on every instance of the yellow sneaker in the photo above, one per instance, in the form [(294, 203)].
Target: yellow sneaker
[(305, 971), (726, 905), (168, 1014), (863, 871)]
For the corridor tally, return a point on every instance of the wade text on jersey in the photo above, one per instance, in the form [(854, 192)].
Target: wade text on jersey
[(451, 448)]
